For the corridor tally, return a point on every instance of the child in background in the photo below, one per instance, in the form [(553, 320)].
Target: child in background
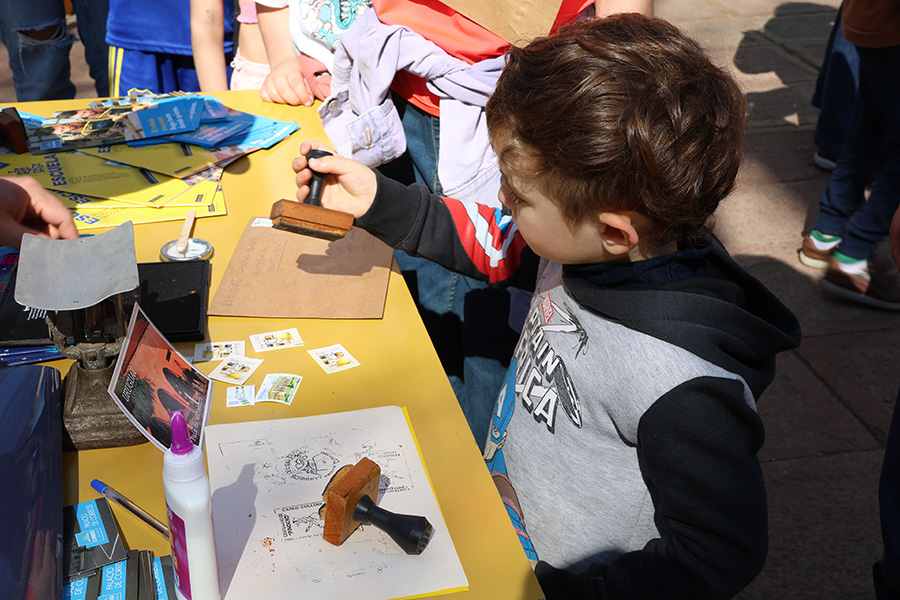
[(250, 65), (299, 36), (150, 46), (624, 439)]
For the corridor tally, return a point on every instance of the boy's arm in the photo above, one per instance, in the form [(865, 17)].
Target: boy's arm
[(697, 449), (465, 237), (207, 43), (285, 83), (469, 238)]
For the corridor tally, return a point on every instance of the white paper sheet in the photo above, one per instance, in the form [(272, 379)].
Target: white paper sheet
[(267, 479)]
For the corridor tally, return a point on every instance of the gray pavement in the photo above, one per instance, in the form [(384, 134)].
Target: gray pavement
[(828, 410)]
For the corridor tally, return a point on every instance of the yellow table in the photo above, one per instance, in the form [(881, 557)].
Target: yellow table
[(399, 367)]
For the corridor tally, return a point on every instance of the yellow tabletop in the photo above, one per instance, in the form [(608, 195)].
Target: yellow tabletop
[(399, 367)]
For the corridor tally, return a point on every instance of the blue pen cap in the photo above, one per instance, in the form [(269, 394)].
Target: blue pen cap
[(99, 486)]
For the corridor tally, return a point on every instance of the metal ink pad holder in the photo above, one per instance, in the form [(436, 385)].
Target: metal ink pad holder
[(80, 284), (186, 247), (196, 249)]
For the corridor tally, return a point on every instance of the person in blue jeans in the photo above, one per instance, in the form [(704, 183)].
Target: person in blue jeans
[(38, 42), (849, 224)]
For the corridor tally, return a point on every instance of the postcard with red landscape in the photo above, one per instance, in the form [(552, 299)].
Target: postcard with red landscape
[(151, 379)]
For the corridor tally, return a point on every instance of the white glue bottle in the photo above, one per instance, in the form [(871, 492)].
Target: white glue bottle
[(189, 508)]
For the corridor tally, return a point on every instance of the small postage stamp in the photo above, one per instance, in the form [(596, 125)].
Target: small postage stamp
[(241, 395), (334, 358), (275, 340), (235, 370), (278, 387), (217, 350)]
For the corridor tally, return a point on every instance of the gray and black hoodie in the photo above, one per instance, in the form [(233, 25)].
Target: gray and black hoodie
[(624, 439)]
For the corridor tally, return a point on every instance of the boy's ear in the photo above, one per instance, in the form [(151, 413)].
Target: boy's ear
[(618, 233)]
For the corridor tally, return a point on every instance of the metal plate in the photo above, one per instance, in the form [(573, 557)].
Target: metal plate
[(74, 274)]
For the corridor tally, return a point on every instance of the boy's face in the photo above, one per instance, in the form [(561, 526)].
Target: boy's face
[(541, 221), (542, 224)]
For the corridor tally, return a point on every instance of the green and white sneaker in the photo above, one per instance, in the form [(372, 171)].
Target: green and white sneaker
[(862, 281), (817, 249)]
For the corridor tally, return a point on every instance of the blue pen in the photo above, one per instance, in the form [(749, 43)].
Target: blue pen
[(124, 502), (25, 349), (11, 360)]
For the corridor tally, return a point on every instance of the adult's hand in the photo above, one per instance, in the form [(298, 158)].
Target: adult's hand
[(26, 207)]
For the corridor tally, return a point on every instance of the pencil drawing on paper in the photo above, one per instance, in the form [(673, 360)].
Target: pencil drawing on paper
[(272, 476), (302, 464)]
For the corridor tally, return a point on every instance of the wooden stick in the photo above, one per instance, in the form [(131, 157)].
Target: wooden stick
[(181, 245)]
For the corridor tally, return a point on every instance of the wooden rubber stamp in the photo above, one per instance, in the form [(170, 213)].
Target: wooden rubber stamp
[(310, 217), (350, 499)]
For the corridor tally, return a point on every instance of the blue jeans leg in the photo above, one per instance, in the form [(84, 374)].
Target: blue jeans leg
[(91, 19), (847, 187), (40, 68)]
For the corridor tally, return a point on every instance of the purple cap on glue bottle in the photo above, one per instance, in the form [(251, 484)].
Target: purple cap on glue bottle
[(183, 460), (181, 437)]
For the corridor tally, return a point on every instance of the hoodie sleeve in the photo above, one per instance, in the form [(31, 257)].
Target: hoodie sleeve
[(472, 239), (697, 449)]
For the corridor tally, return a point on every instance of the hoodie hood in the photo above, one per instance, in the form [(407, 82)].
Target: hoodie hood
[(727, 316)]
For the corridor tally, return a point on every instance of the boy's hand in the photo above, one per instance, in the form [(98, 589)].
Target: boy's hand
[(350, 186), (285, 84)]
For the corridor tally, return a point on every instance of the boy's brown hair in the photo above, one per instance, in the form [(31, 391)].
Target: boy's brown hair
[(623, 113)]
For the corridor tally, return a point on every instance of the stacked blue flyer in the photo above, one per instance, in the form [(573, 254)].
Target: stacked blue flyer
[(154, 119)]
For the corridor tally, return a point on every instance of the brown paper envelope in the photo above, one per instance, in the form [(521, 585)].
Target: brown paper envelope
[(276, 273), (516, 21)]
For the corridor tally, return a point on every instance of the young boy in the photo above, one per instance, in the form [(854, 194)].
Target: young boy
[(624, 439)]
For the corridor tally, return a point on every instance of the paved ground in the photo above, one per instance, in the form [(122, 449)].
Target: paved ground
[(827, 412)]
